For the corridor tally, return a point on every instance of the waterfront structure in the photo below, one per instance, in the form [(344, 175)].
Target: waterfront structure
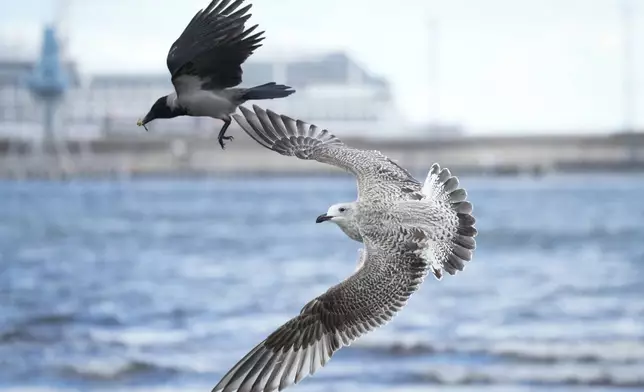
[(333, 90)]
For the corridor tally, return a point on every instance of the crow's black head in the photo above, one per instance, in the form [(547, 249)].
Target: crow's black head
[(161, 109)]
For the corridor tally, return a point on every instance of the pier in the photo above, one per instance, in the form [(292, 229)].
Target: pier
[(141, 154)]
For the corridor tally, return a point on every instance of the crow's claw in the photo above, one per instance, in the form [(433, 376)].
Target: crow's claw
[(221, 140)]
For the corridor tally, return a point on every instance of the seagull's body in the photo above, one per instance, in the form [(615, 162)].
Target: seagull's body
[(205, 66), (407, 229)]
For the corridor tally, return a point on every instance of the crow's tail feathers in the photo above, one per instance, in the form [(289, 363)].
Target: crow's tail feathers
[(267, 91)]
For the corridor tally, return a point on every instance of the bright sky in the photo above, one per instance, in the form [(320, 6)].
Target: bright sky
[(504, 66)]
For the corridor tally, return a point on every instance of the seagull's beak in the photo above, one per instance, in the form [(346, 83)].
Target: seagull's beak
[(322, 218)]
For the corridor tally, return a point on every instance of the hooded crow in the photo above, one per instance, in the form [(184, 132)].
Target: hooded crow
[(205, 66)]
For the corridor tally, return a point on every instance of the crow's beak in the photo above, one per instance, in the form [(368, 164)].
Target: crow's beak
[(322, 218), (142, 123)]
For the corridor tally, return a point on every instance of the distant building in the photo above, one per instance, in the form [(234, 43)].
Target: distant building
[(118, 101), (332, 91), (331, 87), (438, 131)]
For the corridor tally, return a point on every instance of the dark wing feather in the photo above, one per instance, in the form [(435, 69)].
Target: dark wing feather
[(214, 45), (366, 300), (376, 174)]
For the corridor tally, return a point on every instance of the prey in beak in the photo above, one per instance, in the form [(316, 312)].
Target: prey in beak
[(323, 218), (142, 124)]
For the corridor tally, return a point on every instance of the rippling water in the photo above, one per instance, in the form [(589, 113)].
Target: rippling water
[(164, 285)]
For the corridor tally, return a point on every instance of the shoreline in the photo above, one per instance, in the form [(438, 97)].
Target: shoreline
[(173, 156)]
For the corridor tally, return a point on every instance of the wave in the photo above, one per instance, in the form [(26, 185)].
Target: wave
[(142, 366), (585, 352), (561, 375), (625, 352), (398, 348), (28, 330), (46, 327), (140, 337), (605, 364), (114, 370), (16, 335), (432, 374)]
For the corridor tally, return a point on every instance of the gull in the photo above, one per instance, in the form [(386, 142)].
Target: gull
[(205, 66), (407, 230)]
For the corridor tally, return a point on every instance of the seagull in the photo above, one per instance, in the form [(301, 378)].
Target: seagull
[(205, 66), (407, 230)]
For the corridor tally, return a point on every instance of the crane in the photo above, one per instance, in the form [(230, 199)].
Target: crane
[(49, 80)]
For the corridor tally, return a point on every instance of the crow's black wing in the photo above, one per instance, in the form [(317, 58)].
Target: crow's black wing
[(214, 45)]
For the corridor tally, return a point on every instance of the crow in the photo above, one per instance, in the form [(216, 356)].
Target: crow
[(205, 67)]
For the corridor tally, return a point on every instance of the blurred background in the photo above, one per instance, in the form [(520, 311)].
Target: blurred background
[(133, 260)]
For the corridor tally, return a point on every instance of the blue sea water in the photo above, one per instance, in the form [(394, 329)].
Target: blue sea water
[(161, 284)]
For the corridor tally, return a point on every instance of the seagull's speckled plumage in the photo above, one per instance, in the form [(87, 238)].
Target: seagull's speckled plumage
[(408, 229)]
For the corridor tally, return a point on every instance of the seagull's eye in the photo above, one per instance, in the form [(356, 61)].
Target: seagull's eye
[(342, 209)]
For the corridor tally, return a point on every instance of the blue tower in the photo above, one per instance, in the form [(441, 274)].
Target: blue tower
[(48, 81)]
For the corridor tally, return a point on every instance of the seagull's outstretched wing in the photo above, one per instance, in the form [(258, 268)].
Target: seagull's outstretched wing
[(366, 300), (377, 175), (213, 46)]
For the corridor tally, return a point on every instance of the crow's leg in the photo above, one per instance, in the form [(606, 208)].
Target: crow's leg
[(222, 133)]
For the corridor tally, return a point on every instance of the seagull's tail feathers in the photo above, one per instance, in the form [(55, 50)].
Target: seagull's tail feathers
[(441, 186), (267, 91)]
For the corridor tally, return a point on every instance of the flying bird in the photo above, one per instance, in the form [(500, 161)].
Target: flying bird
[(205, 66), (407, 230)]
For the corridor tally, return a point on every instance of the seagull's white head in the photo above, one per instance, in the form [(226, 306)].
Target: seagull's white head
[(338, 213), (343, 215)]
